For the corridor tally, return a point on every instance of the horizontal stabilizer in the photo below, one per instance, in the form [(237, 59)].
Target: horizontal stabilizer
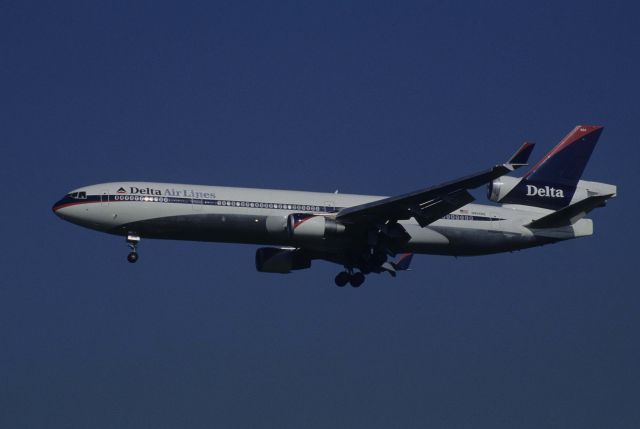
[(570, 214)]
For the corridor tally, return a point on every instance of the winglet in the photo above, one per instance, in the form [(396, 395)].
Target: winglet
[(521, 156)]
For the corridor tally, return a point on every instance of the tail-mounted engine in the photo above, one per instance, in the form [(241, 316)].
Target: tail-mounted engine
[(282, 261), (304, 226), (537, 193), (498, 188)]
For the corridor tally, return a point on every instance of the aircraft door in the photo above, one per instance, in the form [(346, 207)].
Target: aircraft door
[(104, 199), (495, 225), (329, 206), (196, 204)]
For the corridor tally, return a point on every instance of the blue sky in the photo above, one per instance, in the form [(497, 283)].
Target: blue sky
[(373, 98)]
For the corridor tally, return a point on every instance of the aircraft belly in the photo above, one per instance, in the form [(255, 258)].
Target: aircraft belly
[(232, 228), (463, 241), (426, 240), (234, 225)]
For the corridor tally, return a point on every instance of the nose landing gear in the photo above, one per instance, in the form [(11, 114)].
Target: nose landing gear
[(132, 241)]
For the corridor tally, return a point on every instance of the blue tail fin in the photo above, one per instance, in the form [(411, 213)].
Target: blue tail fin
[(552, 182)]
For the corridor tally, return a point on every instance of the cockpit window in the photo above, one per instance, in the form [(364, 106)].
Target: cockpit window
[(78, 195)]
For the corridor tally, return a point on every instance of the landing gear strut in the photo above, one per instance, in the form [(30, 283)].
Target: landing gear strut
[(132, 241), (354, 279)]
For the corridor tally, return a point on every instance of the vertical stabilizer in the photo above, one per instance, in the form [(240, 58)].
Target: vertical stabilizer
[(552, 182)]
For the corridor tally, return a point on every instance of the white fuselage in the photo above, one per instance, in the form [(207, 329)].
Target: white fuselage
[(259, 216)]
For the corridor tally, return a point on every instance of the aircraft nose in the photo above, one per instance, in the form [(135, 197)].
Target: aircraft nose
[(56, 205), (63, 202)]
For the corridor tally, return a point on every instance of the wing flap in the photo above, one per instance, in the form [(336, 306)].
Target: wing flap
[(433, 210)]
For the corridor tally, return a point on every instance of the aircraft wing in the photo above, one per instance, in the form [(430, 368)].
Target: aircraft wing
[(430, 204)]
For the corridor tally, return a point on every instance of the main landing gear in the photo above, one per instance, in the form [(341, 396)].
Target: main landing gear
[(344, 277), (132, 241)]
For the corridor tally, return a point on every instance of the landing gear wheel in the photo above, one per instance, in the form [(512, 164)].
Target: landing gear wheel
[(357, 279), (342, 279), (132, 241)]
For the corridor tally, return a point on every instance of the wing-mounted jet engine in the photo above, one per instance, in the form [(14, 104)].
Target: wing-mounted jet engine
[(281, 260), (305, 226)]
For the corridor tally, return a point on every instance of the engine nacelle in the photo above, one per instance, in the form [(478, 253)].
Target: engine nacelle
[(281, 261), (498, 188), (305, 226)]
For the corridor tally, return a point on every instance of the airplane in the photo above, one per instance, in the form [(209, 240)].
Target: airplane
[(546, 205)]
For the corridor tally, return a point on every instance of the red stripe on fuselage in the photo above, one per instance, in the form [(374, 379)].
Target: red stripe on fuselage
[(75, 203)]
